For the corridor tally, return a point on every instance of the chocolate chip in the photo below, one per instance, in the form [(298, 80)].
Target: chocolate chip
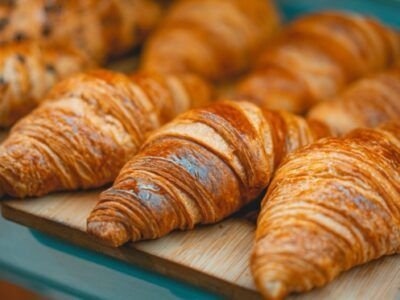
[(2, 81), (46, 30), (19, 36), (52, 8), (50, 68), (3, 23), (21, 58)]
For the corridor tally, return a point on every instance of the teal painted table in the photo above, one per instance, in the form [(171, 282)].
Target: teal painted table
[(58, 270)]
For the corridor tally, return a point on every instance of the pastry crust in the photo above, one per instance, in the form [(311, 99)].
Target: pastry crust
[(316, 57), (331, 205), (101, 28), (213, 38), (28, 70), (366, 103), (200, 168), (88, 127)]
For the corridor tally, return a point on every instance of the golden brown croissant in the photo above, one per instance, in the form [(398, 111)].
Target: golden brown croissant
[(28, 70), (316, 57), (366, 103), (331, 205), (99, 27), (87, 129), (200, 168), (212, 38)]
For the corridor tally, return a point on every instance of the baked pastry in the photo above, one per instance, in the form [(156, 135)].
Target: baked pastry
[(331, 205), (315, 57), (28, 70), (213, 38), (88, 127), (174, 182), (99, 27), (366, 103)]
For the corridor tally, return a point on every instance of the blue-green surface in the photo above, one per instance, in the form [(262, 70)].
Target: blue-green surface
[(59, 270)]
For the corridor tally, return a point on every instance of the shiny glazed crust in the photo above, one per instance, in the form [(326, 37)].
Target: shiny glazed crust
[(88, 127), (200, 168), (212, 38), (315, 57), (332, 205)]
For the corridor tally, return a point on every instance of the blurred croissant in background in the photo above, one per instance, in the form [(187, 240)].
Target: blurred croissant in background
[(316, 56), (366, 103), (100, 28), (28, 70), (216, 39)]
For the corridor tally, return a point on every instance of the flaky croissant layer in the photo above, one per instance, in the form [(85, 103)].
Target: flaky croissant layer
[(316, 57), (28, 70), (332, 205), (212, 38), (200, 168), (88, 127)]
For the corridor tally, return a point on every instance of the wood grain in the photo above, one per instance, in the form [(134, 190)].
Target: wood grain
[(213, 257)]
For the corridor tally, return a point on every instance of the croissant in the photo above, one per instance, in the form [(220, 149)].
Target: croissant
[(99, 27), (88, 127), (174, 182), (28, 70), (331, 206), (213, 38), (366, 103), (316, 57)]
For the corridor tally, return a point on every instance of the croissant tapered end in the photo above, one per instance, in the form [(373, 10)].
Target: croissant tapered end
[(112, 233), (272, 289)]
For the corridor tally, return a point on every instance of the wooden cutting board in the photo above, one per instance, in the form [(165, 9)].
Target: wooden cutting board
[(212, 257)]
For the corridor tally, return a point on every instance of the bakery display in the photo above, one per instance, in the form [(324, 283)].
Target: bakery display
[(100, 28), (366, 103), (331, 206), (144, 154), (198, 169), (28, 70), (88, 127), (315, 57), (216, 39)]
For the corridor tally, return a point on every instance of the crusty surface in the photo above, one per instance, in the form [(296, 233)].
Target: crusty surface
[(212, 38), (332, 205), (200, 168), (88, 127), (99, 27), (28, 70), (316, 57), (366, 103)]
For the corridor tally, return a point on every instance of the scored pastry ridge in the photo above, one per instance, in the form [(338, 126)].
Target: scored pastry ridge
[(174, 182)]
